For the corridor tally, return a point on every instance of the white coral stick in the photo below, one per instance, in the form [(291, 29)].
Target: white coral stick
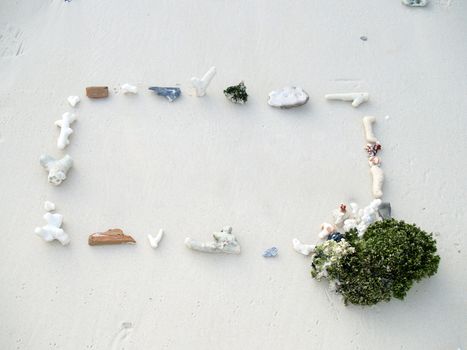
[(154, 240), (368, 127), (202, 84), (304, 249), (65, 130), (378, 179), (357, 98)]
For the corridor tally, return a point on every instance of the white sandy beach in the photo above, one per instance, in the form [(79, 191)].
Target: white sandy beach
[(198, 164)]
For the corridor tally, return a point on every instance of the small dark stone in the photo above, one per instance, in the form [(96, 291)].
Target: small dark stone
[(336, 236), (270, 252), (364, 38)]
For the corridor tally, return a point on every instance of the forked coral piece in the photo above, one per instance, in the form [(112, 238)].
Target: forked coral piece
[(202, 84), (154, 240), (112, 236), (224, 242)]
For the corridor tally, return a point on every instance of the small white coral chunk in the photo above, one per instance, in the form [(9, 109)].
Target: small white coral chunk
[(129, 89), (57, 168), (304, 249), (52, 229), (49, 206), (73, 100)]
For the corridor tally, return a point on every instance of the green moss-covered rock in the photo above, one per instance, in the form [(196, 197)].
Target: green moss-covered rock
[(237, 93), (387, 260)]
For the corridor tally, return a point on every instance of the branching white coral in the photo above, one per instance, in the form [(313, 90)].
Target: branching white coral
[(305, 249), (154, 240), (57, 168), (224, 242), (362, 218), (65, 129), (357, 98), (52, 229), (202, 84), (378, 179), (368, 127)]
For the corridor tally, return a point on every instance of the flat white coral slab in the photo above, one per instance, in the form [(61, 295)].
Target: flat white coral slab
[(288, 97)]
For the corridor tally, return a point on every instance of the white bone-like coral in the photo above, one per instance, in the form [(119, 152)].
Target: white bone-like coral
[(65, 129), (357, 98), (224, 242), (57, 168), (154, 240), (304, 249), (368, 127), (73, 100), (202, 84), (129, 89), (378, 180), (52, 230)]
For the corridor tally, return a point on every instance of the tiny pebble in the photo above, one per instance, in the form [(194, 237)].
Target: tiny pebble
[(364, 38), (270, 252)]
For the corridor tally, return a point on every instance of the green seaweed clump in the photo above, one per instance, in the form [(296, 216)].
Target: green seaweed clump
[(384, 263), (237, 93)]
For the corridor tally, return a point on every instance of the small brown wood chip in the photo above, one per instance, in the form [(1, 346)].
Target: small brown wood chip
[(97, 91), (112, 236)]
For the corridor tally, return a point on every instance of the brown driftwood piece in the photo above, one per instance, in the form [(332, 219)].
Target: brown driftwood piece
[(112, 236), (97, 91)]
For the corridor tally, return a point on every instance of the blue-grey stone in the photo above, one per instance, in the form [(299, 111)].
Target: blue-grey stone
[(171, 93), (270, 252), (415, 3), (336, 236), (384, 210)]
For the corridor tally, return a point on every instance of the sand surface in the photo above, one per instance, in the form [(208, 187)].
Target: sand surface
[(198, 164)]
